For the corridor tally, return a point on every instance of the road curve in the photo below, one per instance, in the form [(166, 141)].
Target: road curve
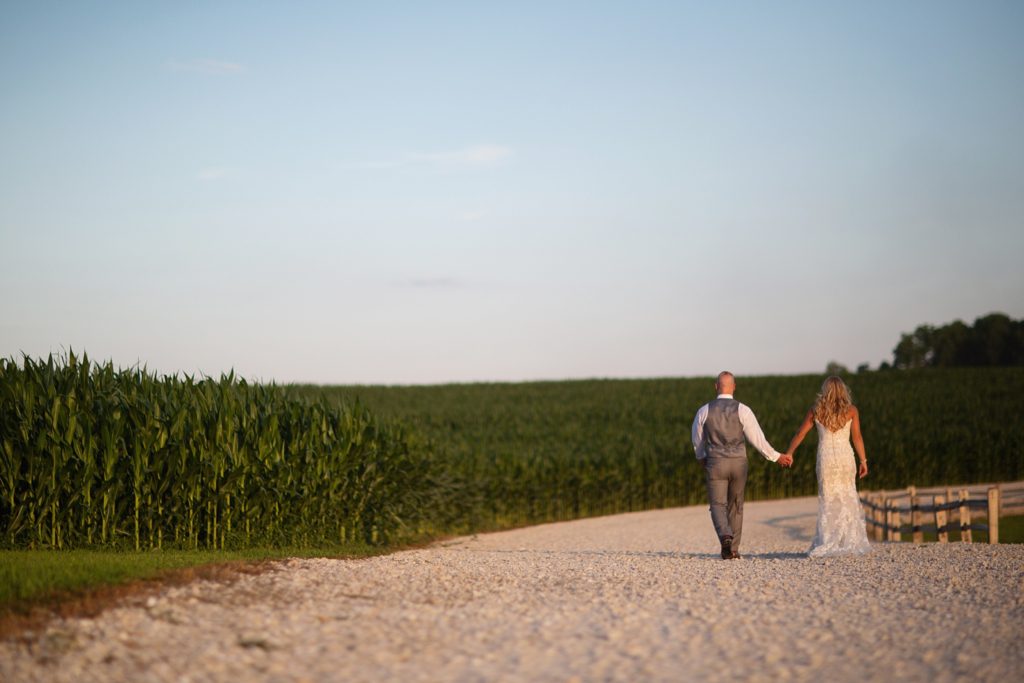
[(635, 597)]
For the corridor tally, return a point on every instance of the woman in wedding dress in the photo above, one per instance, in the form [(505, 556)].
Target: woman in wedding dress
[(840, 528)]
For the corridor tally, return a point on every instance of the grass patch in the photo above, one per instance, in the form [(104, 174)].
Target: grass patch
[(1011, 530), (30, 579)]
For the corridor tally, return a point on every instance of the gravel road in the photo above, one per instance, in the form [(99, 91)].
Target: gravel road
[(637, 597)]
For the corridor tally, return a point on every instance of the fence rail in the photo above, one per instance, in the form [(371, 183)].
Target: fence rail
[(888, 520)]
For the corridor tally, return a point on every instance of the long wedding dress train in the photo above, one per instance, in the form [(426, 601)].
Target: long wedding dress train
[(840, 528)]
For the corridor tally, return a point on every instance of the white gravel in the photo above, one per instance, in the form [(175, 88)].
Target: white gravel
[(637, 597)]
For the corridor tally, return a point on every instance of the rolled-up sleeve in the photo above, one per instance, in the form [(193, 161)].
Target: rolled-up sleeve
[(754, 435), (697, 432)]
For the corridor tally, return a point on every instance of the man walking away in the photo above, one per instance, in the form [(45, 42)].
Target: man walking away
[(720, 430)]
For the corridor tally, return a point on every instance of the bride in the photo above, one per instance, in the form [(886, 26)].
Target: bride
[(840, 519)]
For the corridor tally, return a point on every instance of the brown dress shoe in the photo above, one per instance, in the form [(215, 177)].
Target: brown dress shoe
[(727, 547)]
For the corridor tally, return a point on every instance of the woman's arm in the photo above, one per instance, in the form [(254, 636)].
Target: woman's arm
[(858, 443), (805, 427)]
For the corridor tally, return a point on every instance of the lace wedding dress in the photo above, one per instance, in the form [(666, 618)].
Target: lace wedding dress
[(840, 518)]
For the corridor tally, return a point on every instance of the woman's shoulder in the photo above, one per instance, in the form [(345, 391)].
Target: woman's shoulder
[(852, 416)]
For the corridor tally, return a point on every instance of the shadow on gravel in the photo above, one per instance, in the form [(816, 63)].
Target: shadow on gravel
[(599, 553), (795, 531), (669, 554), (776, 556)]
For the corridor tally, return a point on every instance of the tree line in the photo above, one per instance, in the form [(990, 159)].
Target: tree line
[(993, 340)]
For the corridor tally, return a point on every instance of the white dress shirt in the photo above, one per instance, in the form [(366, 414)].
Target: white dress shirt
[(751, 430)]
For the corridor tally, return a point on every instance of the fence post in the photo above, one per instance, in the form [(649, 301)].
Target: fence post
[(879, 513), (890, 520), (940, 520), (897, 521), (993, 514), (915, 516), (965, 517)]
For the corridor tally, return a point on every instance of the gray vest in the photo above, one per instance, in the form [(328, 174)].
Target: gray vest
[(723, 432)]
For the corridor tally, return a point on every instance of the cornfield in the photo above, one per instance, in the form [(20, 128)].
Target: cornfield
[(93, 456)]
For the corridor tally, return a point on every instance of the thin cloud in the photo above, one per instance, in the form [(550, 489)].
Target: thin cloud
[(470, 216), (212, 173), (433, 283), (210, 67), (477, 155), (474, 156)]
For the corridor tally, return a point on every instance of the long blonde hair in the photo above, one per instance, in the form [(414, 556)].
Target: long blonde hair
[(832, 408)]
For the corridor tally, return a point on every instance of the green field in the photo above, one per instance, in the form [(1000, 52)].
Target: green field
[(556, 450)]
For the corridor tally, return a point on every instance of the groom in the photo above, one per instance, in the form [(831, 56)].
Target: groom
[(719, 430)]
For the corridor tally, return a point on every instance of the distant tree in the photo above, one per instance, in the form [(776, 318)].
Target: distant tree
[(835, 368), (914, 350), (951, 345), (863, 367), (997, 340), (884, 365), (994, 339)]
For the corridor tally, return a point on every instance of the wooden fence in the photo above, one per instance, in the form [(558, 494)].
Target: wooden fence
[(890, 514)]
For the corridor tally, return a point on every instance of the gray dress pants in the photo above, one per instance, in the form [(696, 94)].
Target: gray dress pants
[(727, 478)]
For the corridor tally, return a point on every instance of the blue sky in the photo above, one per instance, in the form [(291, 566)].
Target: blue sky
[(436, 192)]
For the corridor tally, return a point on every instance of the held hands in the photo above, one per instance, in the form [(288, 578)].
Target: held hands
[(862, 470), (785, 460)]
